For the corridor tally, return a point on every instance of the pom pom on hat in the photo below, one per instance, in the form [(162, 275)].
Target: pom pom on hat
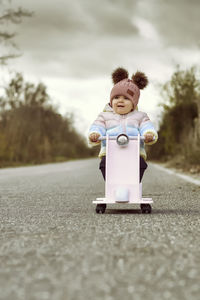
[(119, 74), (140, 79)]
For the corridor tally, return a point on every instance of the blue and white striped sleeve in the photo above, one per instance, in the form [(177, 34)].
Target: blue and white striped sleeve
[(98, 126), (146, 126)]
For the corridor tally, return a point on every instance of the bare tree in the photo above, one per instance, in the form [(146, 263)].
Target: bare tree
[(9, 16)]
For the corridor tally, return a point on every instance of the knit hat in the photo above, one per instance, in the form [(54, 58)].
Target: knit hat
[(129, 88)]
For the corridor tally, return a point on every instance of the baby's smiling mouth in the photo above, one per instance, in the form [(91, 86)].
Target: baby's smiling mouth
[(120, 105)]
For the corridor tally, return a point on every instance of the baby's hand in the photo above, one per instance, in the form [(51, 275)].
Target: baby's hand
[(148, 138), (94, 137)]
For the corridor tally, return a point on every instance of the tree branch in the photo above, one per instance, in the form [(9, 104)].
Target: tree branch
[(4, 58), (6, 36), (15, 16)]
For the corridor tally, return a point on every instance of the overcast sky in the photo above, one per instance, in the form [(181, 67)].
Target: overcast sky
[(73, 47)]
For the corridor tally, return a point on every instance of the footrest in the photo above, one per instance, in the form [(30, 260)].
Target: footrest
[(107, 201), (146, 200)]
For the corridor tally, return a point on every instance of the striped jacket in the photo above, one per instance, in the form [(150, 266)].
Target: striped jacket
[(113, 124)]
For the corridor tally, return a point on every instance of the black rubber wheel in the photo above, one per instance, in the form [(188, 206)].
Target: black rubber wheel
[(100, 208), (145, 208)]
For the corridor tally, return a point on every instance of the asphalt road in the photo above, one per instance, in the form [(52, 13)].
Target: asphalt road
[(54, 246)]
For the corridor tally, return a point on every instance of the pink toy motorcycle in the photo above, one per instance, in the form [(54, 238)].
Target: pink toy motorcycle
[(122, 173)]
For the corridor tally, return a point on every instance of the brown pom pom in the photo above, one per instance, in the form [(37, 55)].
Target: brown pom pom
[(140, 79), (119, 74)]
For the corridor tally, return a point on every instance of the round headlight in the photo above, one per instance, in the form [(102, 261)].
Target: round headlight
[(122, 140)]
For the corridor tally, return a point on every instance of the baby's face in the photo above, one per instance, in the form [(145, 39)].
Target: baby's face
[(122, 105)]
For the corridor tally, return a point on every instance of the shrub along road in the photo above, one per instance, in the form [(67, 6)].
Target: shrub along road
[(54, 246)]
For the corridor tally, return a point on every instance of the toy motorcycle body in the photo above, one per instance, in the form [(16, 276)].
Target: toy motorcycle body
[(122, 184)]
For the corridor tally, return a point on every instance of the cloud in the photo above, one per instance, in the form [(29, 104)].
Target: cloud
[(147, 30), (82, 36), (81, 18), (89, 38), (73, 46), (177, 22)]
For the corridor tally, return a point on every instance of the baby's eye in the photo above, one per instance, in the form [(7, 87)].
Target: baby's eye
[(116, 97)]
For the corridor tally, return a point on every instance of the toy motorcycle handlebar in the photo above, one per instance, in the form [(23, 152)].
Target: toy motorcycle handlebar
[(101, 138), (123, 139)]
